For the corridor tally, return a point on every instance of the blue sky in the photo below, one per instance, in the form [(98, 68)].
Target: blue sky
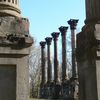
[(46, 16)]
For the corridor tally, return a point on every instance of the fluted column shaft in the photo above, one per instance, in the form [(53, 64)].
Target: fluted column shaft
[(42, 44), (55, 37), (73, 24), (49, 69), (63, 31), (92, 10)]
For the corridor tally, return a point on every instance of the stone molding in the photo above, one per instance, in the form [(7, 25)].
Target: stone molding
[(10, 8), (86, 43), (14, 32)]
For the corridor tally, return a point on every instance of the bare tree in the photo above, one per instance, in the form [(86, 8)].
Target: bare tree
[(34, 70)]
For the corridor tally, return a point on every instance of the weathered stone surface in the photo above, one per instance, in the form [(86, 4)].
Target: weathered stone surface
[(86, 60), (97, 35), (9, 7), (88, 53), (7, 75), (18, 59), (92, 10), (14, 25), (86, 43), (14, 32), (15, 43)]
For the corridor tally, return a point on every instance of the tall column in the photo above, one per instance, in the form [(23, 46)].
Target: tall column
[(55, 38), (73, 24), (49, 69), (63, 31), (57, 87), (65, 85), (42, 44)]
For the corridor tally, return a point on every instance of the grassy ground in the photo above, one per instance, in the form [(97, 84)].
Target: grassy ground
[(44, 99), (36, 99)]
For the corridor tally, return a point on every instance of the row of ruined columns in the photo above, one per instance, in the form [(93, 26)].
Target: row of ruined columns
[(56, 88), (87, 53)]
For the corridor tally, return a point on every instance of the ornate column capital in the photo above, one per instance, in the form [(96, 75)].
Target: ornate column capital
[(48, 40), (63, 30), (73, 23), (55, 35), (42, 44)]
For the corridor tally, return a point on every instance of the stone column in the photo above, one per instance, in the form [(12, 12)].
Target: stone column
[(57, 87), (65, 85), (49, 69), (88, 54), (55, 38), (43, 79), (73, 24), (43, 76), (63, 31)]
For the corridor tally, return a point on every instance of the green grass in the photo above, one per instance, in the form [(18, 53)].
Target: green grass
[(36, 99)]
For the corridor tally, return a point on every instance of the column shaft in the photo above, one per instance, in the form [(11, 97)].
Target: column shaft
[(73, 24), (64, 64), (55, 36), (63, 31), (43, 62), (55, 61), (43, 65), (92, 10), (49, 68), (73, 52)]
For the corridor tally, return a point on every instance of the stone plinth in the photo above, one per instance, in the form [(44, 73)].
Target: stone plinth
[(97, 35), (15, 43), (88, 53), (17, 59), (87, 63)]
